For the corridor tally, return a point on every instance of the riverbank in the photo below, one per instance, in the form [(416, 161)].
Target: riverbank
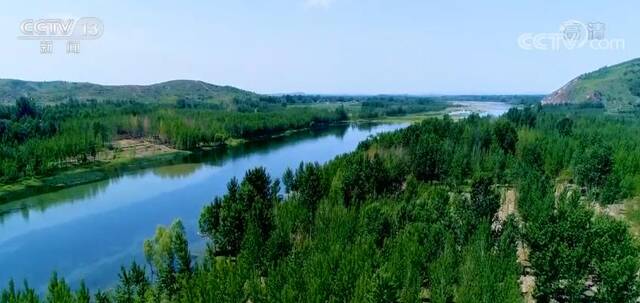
[(89, 231), (457, 110), (84, 174), (140, 155), (129, 155)]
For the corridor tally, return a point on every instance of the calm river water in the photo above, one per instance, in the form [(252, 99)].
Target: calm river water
[(89, 231)]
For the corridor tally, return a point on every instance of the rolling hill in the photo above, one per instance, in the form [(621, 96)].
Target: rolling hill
[(60, 91), (615, 87)]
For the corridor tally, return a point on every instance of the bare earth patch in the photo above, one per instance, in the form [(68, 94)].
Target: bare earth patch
[(134, 148), (630, 210), (509, 206)]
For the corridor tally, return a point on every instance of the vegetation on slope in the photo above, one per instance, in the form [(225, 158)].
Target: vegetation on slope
[(165, 92), (617, 88)]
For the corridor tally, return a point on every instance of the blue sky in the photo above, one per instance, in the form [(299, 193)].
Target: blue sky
[(320, 46)]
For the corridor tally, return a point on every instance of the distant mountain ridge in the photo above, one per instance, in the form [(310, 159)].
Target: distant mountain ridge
[(615, 87), (170, 91)]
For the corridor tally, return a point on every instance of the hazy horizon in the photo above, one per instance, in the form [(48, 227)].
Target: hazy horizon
[(291, 92), (328, 47)]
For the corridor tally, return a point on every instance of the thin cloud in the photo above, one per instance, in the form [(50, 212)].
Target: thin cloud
[(318, 3)]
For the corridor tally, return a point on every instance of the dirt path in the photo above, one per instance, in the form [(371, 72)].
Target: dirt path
[(509, 206)]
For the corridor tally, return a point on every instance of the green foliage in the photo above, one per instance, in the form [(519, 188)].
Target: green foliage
[(407, 218), (442, 275), (381, 106), (38, 141), (134, 285), (82, 294), (565, 126), (506, 136), (247, 205), (485, 201), (571, 246), (168, 255), (307, 184), (25, 108), (58, 290), (526, 117), (615, 88), (594, 165), (487, 275), (54, 92), (13, 295), (102, 297), (614, 260)]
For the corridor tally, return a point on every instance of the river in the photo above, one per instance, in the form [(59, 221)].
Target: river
[(462, 109), (89, 231)]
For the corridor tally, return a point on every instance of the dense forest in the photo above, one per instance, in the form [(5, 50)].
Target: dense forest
[(376, 107), (379, 106), (36, 140), (302, 98), (362, 107), (410, 216)]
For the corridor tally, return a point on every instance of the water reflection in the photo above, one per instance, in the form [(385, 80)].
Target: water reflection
[(88, 231), (181, 167), (43, 202), (176, 171)]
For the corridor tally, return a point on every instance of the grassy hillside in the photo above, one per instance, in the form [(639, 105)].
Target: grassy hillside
[(616, 87), (60, 91)]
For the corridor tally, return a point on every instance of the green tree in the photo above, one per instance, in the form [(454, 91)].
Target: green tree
[(180, 246), (593, 166), (58, 290), (565, 126), (506, 136), (133, 285), (251, 202), (485, 201), (288, 179), (25, 108), (168, 253), (82, 294), (102, 297), (442, 274)]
